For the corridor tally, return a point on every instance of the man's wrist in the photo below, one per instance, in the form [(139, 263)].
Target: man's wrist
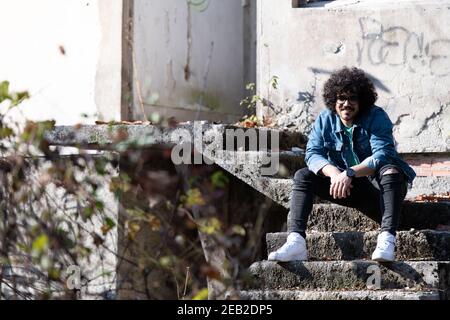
[(349, 172), (362, 170), (330, 171)]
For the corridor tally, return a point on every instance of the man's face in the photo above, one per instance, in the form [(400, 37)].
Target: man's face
[(347, 106)]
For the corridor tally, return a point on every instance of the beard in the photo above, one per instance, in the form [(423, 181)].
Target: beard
[(347, 113)]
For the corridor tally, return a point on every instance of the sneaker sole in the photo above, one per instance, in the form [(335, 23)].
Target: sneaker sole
[(288, 260), (380, 259)]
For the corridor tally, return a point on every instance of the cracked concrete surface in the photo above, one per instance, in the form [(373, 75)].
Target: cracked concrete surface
[(339, 295), (335, 275)]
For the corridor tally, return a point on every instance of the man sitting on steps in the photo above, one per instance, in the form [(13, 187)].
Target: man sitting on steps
[(352, 161)]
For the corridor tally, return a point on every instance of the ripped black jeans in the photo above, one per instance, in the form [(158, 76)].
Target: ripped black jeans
[(380, 198)]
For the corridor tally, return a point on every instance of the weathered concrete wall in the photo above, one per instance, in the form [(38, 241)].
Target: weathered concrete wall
[(192, 58), (67, 54), (403, 45)]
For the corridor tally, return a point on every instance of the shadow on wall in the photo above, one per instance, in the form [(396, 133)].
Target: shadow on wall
[(377, 83)]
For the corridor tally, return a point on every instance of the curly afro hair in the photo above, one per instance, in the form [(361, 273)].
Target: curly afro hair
[(350, 80)]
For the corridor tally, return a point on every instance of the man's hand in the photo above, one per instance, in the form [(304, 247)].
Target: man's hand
[(340, 185)]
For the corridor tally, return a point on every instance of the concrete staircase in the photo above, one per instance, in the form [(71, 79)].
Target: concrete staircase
[(339, 263), (340, 243), (340, 240)]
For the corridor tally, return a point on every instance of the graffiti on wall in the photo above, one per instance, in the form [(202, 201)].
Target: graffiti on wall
[(397, 46), (199, 5)]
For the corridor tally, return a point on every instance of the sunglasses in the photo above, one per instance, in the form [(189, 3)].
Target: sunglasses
[(351, 99)]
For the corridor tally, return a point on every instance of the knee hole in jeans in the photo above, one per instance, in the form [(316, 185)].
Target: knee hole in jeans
[(390, 171)]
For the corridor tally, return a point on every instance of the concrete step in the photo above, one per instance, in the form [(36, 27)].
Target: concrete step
[(281, 164), (271, 138), (339, 295), (411, 245), (419, 216), (350, 275), (146, 135)]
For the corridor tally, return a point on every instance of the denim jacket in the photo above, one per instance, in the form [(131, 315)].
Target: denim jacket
[(373, 142)]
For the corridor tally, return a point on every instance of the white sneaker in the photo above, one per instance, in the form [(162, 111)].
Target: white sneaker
[(385, 251), (293, 249)]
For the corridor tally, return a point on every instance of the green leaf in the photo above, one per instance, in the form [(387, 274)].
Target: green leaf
[(274, 82), (18, 97), (54, 274), (210, 226), (239, 230), (14, 97), (23, 95), (201, 295), (6, 132), (99, 205), (88, 212), (108, 225), (219, 180), (110, 222), (4, 91), (250, 86), (166, 261), (193, 197), (155, 117), (40, 244)]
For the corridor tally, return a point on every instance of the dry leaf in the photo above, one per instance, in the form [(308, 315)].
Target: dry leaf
[(433, 197), (210, 272), (117, 123)]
